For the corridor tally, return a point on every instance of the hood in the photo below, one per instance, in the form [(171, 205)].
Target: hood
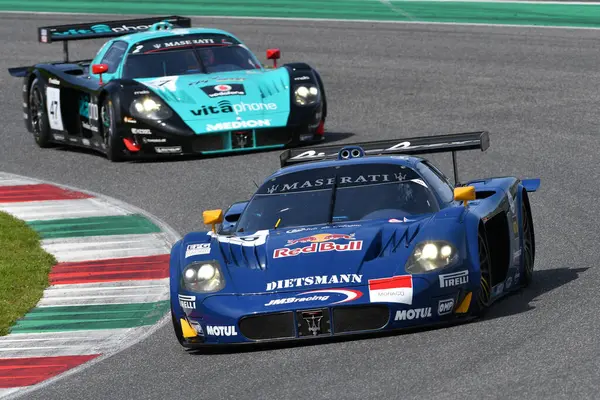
[(228, 100), (348, 254)]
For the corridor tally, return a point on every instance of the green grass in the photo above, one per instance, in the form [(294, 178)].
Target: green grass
[(24, 269)]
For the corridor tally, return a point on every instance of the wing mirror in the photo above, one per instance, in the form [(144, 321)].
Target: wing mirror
[(212, 217), (99, 69), (464, 194), (274, 54)]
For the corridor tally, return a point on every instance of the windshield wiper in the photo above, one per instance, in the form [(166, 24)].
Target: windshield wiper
[(332, 201)]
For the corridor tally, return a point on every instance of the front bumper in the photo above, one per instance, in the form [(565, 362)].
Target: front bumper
[(164, 143), (232, 319)]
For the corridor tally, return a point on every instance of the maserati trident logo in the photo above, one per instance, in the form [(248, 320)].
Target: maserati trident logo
[(313, 320), (242, 139)]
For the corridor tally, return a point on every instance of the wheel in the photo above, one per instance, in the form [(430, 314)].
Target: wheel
[(39, 115), (528, 245), (484, 293), (177, 327), (115, 150)]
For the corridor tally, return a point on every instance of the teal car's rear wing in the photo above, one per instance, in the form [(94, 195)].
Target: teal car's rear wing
[(104, 29), (409, 146)]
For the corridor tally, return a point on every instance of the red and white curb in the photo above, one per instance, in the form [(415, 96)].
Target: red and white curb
[(109, 290)]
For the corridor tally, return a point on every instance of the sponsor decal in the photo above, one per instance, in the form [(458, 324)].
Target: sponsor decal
[(85, 142), (168, 150), (74, 140), (318, 295), (197, 249), (454, 279), (342, 180), (146, 140), (397, 289), (314, 280), (419, 181), (101, 28), (89, 127), (321, 237), (517, 256), (54, 81), (225, 106), (298, 230), (138, 92), (302, 78), (445, 306), (219, 79), (58, 137), (188, 302), (417, 313), (235, 89), (498, 289), (138, 131), (188, 42), (223, 126), (129, 120), (221, 330), (223, 88), (397, 221), (353, 245)]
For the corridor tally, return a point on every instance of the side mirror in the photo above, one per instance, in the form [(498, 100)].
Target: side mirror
[(212, 217), (464, 194), (274, 54), (99, 69)]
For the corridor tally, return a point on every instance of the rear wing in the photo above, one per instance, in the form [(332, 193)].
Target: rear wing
[(104, 29), (409, 146)]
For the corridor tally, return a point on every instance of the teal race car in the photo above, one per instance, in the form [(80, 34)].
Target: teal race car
[(161, 87)]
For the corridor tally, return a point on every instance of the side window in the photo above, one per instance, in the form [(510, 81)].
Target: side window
[(436, 179), (114, 55)]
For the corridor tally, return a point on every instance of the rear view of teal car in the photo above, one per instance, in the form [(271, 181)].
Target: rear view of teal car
[(161, 87)]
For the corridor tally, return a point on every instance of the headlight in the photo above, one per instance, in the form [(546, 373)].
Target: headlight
[(429, 256), (306, 95), (149, 108), (203, 277)]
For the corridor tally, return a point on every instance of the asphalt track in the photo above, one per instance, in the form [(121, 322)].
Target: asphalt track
[(535, 90)]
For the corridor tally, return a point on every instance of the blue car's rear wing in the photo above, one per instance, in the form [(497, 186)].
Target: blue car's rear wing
[(409, 146), (104, 29)]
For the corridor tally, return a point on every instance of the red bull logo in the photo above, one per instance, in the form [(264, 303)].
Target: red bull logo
[(352, 245), (320, 238)]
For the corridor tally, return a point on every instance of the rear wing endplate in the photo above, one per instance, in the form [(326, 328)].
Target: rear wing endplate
[(104, 29), (410, 146)]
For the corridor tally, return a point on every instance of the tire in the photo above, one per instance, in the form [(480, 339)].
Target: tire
[(38, 114), (115, 149), (483, 297), (528, 243), (177, 328)]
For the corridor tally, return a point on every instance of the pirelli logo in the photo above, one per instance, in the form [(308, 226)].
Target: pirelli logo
[(454, 279)]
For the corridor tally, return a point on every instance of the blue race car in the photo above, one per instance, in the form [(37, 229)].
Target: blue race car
[(160, 87), (362, 238)]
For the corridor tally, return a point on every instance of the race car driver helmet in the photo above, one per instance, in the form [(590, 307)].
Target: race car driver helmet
[(207, 56)]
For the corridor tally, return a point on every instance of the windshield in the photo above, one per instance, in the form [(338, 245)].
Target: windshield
[(188, 59), (362, 192)]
